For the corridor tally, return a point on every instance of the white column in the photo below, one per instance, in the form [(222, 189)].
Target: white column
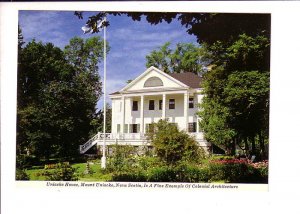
[(123, 114), (185, 109), (197, 125), (142, 115), (164, 107)]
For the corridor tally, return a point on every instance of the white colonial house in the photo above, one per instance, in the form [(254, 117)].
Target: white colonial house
[(152, 96)]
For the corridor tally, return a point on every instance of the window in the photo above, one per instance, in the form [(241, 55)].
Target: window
[(153, 82), (160, 105), (151, 104), (172, 104), (192, 127), (134, 128), (149, 127), (191, 102), (134, 105)]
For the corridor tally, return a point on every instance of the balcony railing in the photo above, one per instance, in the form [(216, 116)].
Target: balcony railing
[(122, 136)]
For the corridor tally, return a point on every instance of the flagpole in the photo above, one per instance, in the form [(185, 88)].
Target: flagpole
[(103, 159)]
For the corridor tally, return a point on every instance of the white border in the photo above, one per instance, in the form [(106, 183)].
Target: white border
[(283, 195)]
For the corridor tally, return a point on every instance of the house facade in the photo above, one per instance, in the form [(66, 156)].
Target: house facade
[(152, 96)]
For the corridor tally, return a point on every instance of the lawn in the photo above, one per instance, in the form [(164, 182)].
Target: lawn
[(96, 173)]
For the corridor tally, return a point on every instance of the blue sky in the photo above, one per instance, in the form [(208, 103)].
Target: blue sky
[(130, 41)]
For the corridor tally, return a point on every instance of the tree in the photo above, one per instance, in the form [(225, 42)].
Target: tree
[(207, 27), (98, 120), (186, 57), (235, 108), (38, 66), (57, 96), (172, 145)]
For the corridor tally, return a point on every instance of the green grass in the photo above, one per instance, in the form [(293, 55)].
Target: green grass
[(36, 172)]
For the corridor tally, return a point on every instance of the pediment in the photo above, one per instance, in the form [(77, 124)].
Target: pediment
[(153, 78)]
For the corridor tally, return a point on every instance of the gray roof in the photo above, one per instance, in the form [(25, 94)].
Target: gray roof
[(188, 78)]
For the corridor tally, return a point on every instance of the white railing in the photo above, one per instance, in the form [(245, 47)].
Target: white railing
[(110, 136), (122, 136)]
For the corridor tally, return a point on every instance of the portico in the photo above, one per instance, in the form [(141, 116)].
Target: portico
[(144, 108)]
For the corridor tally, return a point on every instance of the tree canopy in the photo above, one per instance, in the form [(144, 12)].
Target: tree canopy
[(186, 57), (207, 27), (57, 95), (235, 107)]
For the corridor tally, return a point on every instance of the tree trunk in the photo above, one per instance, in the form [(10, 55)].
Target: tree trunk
[(233, 147), (262, 146), (253, 149), (246, 146)]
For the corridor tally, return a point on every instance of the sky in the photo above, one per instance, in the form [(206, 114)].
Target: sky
[(129, 41)]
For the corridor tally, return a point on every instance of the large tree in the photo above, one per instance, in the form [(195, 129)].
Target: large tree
[(235, 107), (57, 96), (186, 57)]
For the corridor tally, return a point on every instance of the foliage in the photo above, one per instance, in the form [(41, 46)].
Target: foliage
[(207, 27), (186, 57), (130, 176), (57, 96), (234, 172), (21, 175), (63, 172), (120, 159), (172, 145), (235, 107), (98, 120)]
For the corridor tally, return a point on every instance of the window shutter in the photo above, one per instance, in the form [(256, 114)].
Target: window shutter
[(126, 128)]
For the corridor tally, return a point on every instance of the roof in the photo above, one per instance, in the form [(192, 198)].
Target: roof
[(115, 93), (188, 78)]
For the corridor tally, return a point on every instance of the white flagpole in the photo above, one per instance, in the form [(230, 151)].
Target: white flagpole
[(103, 159)]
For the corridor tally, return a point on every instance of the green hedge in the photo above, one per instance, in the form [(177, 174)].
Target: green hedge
[(212, 172)]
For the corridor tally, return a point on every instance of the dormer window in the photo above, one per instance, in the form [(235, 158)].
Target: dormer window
[(153, 82)]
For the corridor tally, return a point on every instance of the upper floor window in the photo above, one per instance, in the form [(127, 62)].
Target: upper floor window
[(153, 82), (171, 103), (191, 102), (134, 105), (151, 105)]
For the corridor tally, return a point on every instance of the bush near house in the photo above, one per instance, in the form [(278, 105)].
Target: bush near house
[(21, 175), (62, 172)]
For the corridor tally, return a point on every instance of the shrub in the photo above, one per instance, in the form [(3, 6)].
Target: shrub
[(133, 176), (172, 145), (25, 161), (234, 172), (162, 174), (21, 175), (120, 160), (62, 172), (192, 173)]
